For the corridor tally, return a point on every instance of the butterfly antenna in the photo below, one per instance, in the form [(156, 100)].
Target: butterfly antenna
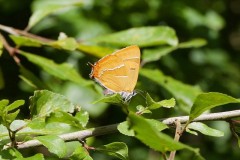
[(90, 64), (142, 93)]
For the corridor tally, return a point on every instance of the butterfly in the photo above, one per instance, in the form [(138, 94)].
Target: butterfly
[(118, 72)]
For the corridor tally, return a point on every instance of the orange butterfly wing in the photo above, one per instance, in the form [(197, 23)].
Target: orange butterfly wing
[(118, 72)]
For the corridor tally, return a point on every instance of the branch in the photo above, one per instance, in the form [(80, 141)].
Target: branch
[(15, 31), (11, 50), (178, 133), (113, 128)]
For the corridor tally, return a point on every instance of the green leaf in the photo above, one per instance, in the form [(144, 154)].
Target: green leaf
[(148, 132), (159, 126), (5, 117), (83, 117), (42, 8), (204, 129), (195, 43), (26, 41), (155, 54), (164, 103), (66, 43), (28, 77), (39, 127), (63, 71), (112, 99), (206, 101), (80, 153), (14, 105), (8, 153), (44, 102), (54, 144), (115, 149), (168, 103), (142, 36), (97, 51), (184, 94), (12, 116), (141, 110), (149, 135), (37, 156), (124, 128), (150, 55), (3, 104), (214, 20), (60, 116), (17, 124)]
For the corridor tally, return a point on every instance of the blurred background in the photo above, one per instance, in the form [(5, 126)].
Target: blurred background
[(214, 67)]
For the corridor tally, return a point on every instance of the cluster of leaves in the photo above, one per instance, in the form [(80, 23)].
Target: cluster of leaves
[(53, 114)]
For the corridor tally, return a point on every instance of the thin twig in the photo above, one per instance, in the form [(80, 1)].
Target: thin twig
[(178, 133), (11, 50), (15, 31), (232, 128), (113, 128)]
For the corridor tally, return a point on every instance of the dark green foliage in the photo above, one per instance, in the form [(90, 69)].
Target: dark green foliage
[(189, 65)]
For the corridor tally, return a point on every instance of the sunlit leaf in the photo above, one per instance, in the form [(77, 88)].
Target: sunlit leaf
[(149, 135), (112, 99), (7, 116), (80, 153), (142, 110), (206, 101), (37, 156), (12, 116), (204, 129), (184, 94), (97, 51), (142, 36), (66, 43), (157, 124), (26, 41), (124, 128), (54, 144), (63, 71), (115, 149), (60, 116), (42, 8), (3, 104), (14, 105), (83, 117), (194, 43), (17, 124), (44, 102), (38, 126), (164, 103)]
